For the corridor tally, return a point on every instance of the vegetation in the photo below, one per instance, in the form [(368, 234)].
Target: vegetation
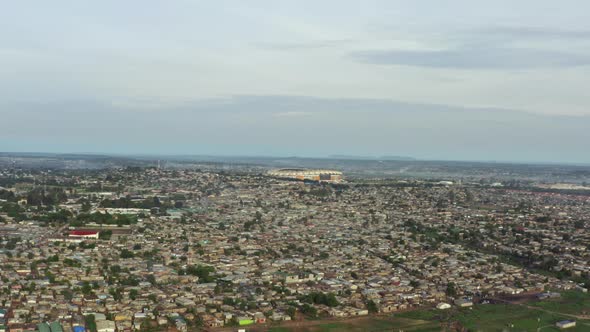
[(320, 298), (103, 219), (570, 302), (372, 307), (510, 317), (205, 273), (90, 323)]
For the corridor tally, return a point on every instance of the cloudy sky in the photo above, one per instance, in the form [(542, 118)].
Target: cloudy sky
[(468, 80)]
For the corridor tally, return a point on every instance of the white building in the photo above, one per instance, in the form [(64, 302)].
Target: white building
[(443, 306), (566, 324)]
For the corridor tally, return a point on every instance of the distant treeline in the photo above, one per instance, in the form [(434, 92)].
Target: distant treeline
[(103, 219)]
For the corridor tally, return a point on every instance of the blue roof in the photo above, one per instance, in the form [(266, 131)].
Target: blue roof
[(79, 329)]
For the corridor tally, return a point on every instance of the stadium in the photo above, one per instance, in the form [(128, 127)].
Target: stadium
[(321, 175)]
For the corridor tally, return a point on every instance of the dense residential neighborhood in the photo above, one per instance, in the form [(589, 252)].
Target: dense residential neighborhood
[(150, 249)]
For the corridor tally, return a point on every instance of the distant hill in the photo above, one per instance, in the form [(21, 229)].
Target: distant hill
[(351, 157)]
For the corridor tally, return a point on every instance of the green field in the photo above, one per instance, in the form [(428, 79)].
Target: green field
[(571, 302), (512, 317), (509, 317), (377, 324), (489, 317)]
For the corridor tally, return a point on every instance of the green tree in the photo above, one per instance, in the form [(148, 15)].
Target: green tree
[(309, 310), (451, 289), (133, 294), (105, 235), (372, 307), (86, 288), (90, 323), (126, 253)]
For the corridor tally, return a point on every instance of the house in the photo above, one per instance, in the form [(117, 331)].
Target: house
[(259, 318), (463, 303), (443, 306), (105, 326), (77, 234), (566, 324), (180, 323)]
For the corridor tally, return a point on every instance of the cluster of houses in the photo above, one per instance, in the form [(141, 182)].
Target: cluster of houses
[(231, 249)]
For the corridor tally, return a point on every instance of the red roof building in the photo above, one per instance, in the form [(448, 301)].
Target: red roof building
[(84, 234)]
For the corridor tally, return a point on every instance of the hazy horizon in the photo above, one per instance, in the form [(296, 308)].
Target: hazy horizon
[(211, 157)]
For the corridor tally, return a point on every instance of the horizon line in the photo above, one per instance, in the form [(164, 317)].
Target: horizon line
[(326, 157)]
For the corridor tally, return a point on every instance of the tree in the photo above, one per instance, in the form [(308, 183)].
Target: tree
[(105, 235), (86, 288), (151, 279), (309, 310), (68, 294), (451, 289), (203, 272), (372, 307), (320, 298), (125, 253), (233, 322), (116, 293), (133, 294), (148, 325), (90, 323), (86, 206)]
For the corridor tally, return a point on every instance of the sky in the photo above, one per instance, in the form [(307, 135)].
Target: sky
[(499, 80)]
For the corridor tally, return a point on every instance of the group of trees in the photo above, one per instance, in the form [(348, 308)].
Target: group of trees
[(61, 216), (7, 195), (51, 196), (13, 210), (206, 274), (103, 219), (321, 192), (257, 220), (328, 299), (9, 242), (126, 253), (127, 203)]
